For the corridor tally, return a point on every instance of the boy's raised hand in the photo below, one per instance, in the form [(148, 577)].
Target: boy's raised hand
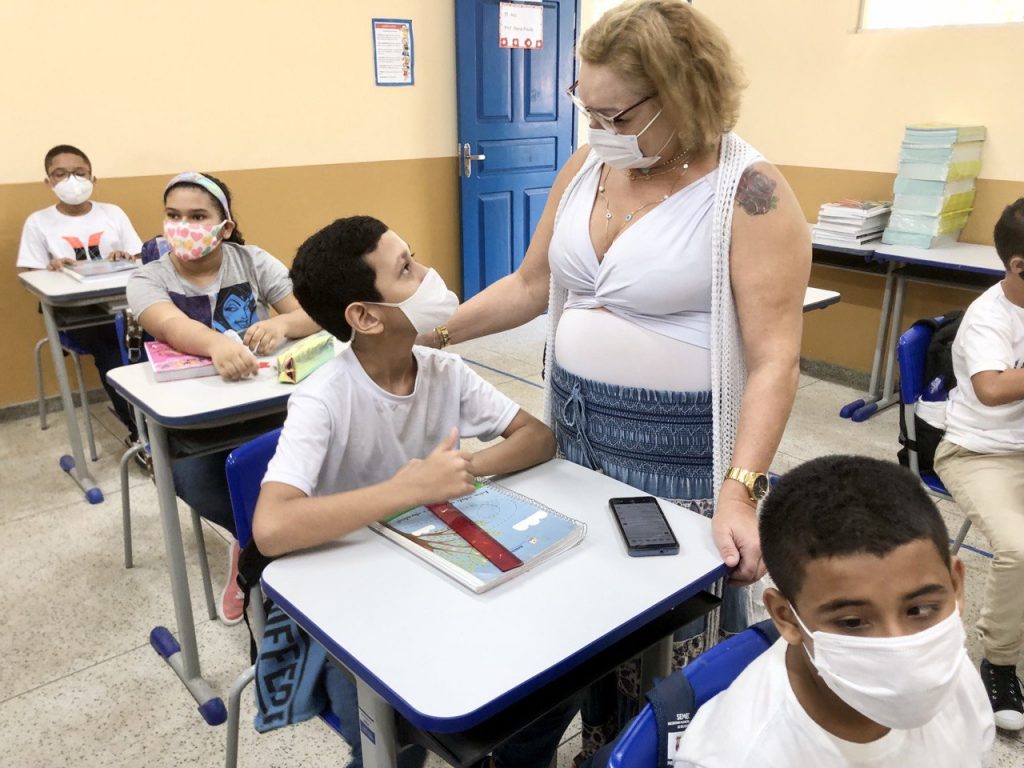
[(443, 475)]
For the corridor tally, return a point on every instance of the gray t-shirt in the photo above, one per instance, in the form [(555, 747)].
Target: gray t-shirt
[(250, 280)]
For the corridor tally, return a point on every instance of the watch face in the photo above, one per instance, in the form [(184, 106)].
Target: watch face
[(761, 485)]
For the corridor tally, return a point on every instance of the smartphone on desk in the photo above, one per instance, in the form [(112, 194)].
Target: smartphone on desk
[(643, 526)]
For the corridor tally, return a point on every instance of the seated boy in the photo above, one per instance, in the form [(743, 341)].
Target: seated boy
[(871, 668), (981, 459), (376, 430), (80, 229)]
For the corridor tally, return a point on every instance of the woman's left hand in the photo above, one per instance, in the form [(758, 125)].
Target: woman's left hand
[(734, 529), (264, 337)]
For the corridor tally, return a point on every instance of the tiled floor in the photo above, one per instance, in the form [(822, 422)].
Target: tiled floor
[(79, 683)]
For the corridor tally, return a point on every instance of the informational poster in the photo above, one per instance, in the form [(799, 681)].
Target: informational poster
[(392, 51), (520, 25)]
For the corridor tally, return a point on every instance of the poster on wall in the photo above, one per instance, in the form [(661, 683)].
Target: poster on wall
[(520, 25), (392, 51)]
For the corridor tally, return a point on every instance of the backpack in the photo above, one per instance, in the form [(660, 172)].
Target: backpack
[(939, 380), (251, 563)]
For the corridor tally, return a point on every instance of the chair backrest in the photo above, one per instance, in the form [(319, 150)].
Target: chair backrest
[(708, 675), (154, 248), (911, 353), (245, 467)]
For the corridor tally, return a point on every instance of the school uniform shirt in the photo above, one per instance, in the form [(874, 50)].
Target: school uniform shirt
[(990, 338), (344, 432), (49, 234), (758, 723), (249, 282)]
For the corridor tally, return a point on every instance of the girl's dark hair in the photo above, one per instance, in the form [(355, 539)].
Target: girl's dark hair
[(236, 234)]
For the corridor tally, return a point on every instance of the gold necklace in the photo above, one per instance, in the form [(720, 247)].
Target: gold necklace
[(629, 216), (646, 174)]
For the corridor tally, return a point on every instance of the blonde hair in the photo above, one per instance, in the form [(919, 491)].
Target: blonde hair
[(668, 49)]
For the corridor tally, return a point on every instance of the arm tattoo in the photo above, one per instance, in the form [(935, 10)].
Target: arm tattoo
[(756, 193)]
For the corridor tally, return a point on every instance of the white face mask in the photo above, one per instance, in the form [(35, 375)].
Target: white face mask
[(73, 190), (620, 151), (430, 306), (898, 682)]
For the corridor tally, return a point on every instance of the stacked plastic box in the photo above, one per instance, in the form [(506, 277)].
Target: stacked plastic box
[(934, 189)]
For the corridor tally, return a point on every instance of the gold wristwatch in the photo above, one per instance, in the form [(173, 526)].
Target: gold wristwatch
[(756, 482)]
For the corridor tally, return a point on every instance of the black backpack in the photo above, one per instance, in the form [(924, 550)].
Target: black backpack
[(938, 370)]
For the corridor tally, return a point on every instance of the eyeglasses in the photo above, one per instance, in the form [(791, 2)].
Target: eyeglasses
[(608, 122), (59, 174)]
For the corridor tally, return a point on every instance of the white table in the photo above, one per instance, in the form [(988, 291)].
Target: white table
[(447, 659), (819, 298), (954, 258), (183, 405), (55, 289)]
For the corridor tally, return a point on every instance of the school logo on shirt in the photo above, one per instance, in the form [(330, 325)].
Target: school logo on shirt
[(234, 309), (83, 252)]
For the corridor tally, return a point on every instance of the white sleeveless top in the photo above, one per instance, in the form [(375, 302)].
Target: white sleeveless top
[(657, 273)]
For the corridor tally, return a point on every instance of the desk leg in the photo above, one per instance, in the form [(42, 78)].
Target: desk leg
[(377, 728), (655, 662), (75, 464), (183, 658)]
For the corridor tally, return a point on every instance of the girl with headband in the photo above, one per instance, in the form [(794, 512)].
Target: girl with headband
[(208, 282)]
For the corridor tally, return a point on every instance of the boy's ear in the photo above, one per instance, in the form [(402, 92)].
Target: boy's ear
[(362, 319), (782, 615), (956, 572)]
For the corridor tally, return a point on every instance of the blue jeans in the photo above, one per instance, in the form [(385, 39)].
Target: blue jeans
[(533, 747), (201, 482), (100, 341)]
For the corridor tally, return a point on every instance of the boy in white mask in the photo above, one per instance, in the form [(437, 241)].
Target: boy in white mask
[(871, 669), (77, 228), (376, 430)]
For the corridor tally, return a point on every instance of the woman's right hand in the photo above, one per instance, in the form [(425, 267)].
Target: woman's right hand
[(234, 361)]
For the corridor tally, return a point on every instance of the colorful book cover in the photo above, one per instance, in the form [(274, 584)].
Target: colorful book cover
[(169, 365), (527, 529)]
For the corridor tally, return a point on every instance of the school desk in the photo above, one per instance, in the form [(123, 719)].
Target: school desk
[(55, 291)]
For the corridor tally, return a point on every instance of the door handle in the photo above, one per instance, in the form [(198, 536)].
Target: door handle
[(467, 160)]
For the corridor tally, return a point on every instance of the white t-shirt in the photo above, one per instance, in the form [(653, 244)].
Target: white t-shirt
[(49, 234), (990, 338), (344, 432), (758, 723)]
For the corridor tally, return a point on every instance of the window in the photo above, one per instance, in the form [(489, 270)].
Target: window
[(904, 14)]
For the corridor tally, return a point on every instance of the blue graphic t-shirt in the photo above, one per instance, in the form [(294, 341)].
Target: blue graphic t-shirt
[(250, 281)]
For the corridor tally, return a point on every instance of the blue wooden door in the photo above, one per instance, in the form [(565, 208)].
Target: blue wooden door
[(513, 111)]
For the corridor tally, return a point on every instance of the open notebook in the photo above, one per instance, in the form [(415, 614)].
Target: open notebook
[(526, 532)]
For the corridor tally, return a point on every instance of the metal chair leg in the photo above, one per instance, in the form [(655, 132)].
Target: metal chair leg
[(234, 711), (126, 505), (84, 400), (204, 564), (40, 394), (960, 536)]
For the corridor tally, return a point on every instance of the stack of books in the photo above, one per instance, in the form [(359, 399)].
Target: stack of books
[(851, 222), (934, 189)]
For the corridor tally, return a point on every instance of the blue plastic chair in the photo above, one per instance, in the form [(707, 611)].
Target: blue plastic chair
[(245, 467), (911, 352), (709, 674)]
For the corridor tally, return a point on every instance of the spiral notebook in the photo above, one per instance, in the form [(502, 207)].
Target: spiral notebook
[(508, 534)]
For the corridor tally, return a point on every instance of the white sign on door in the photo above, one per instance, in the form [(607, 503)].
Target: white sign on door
[(520, 25)]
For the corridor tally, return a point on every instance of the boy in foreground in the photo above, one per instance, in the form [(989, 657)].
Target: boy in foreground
[(871, 669), (376, 430)]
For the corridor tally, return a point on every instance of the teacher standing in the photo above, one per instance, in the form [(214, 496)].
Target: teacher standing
[(671, 259)]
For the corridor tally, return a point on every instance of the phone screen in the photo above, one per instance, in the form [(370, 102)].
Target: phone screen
[(644, 526)]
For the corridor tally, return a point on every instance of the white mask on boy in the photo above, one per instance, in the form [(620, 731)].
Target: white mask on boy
[(430, 306), (73, 190), (899, 682)]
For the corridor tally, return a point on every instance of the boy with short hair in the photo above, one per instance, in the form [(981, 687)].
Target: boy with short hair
[(871, 668), (981, 459), (376, 430), (80, 229)]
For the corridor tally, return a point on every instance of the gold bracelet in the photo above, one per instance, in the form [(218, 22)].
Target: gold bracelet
[(443, 340)]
